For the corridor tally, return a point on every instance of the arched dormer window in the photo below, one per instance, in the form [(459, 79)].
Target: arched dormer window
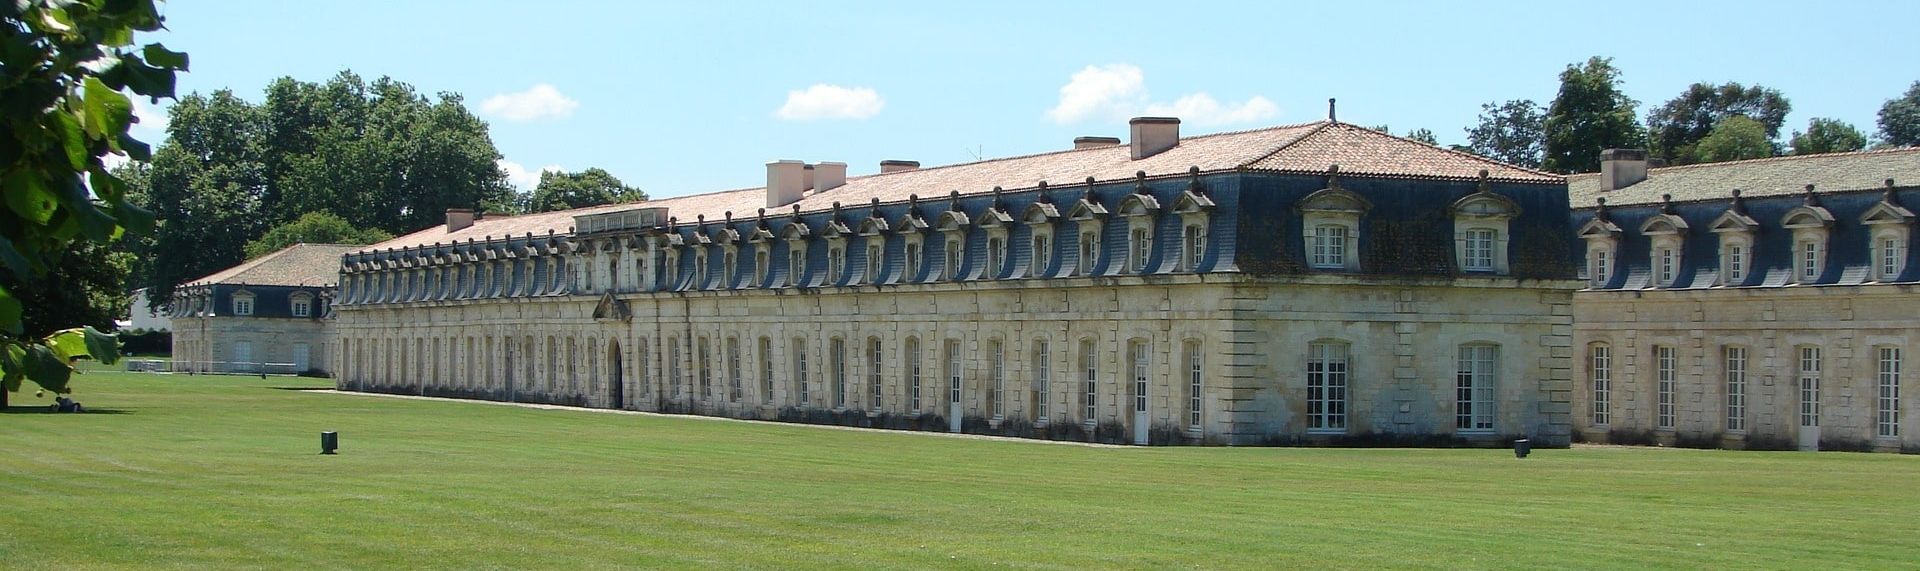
[(1811, 225), (1039, 218), (1141, 211), (243, 303), (1666, 233), (1737, 233), (1330, 225), (1890, 227), (1603, 248), (301, 304), (1196, 211), (952, 225), (836, 233), (1482, 227), (1089, 218), (873, 235), (796, 234), (998, 225), (912, 229)]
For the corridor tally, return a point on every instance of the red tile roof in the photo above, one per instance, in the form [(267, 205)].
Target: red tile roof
[(296, 265)]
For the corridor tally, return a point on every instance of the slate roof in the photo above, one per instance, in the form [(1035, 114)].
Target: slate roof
[(297, 265), (1835, 172), (1305, 147)]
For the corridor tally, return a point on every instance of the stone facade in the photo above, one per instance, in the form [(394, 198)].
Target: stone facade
[(266, 315)]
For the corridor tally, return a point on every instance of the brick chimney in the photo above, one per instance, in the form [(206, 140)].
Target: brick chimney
[(895, 165), (786, 182), (828, 175), (1094, 142), (1151, 135), (1621, 168), (459, 218)]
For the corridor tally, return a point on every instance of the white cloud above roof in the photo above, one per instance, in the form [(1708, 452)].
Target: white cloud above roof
[(542, 101), (522, 178), (824, 101), (1117, 91)]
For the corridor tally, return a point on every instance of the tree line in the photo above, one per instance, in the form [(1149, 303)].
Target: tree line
[(1706, 123)]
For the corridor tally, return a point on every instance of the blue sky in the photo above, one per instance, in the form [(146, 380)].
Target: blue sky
[(697, 96)]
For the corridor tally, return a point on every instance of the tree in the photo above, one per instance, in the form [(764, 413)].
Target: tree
[(1828, 136), (1424, 136), (1589, 115), (64, 77), (591, 187), (1737, 138), (314, 228), (1512, 132), (1683, 121), (207, 184), (86, 288), (1900, 119)]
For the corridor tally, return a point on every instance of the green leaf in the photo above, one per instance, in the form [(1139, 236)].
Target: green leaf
[(10, 258), (135, 149), (9, 309), (68, 344), (104, 347), (160, 56), (97, 223), (107, 111), (135, 219), (29, 196), (72, 138), (46, 369), (13, 365)]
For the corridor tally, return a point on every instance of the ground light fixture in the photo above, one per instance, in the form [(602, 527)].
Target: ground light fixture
[(329, 442), (1521, 448)]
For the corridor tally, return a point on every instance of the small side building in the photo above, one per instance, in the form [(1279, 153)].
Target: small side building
[(265, 315)]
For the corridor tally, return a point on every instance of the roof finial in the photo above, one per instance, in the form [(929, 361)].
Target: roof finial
[(1739, 204), (1811, 198), (1666, 204), (1140, 182), (1333, 176), (1889, 197), (1486, 186), (1193, 181), (1331, 116), (1600, 211)]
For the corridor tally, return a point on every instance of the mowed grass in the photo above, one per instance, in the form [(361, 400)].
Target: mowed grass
[(223, 472)]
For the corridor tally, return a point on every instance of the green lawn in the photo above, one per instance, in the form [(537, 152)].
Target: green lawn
[(222, 472)]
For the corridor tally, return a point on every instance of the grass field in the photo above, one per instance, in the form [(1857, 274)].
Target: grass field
[(223, 472)]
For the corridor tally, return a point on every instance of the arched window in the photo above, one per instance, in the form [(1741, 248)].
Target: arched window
[(1330, 220), (801, 382), (1481, 224), (703, 367), (910, 359), (1476, 387), (1327, 370), (1196, 383), (1810, 224), (1090, 383), (766, 370), (1042, 394), (735, 385), (1666, 234), (837, 367), (875, 365), (1890, 229), (997, 373)]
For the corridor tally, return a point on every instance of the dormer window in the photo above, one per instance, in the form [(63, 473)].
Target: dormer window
[(1737, 232), (729, 267), (761, 263), (1890, 227), (873, 261), (1666, 233), (1193, 245), (1039, 217), (1330, 246), (912, 269), (1042, 252), (1330, 223), (1195, 210), (1089, 253), (1139, 248), (836, 263), (1599, 265), (302, 305), (796, 265), (243, 303), (953, 226), (996, 256), (1141, 210), (1810, 224), (1481, 229), (1089, 218), (700, 276), (951, 267)]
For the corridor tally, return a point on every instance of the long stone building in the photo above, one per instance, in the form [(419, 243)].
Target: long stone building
[(265, 315), (1768, 303), (1318, 282)]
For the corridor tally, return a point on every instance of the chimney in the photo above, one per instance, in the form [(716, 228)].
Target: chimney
[(893, 165), (459, 218), (1094, 142), (786, 181), (829, 175), (1621, 168), (1151, 135), (807, 176)]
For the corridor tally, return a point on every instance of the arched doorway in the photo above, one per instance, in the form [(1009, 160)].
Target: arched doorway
[(616, 393)]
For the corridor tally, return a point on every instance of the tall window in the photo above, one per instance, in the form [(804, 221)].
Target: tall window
[(873, 263), (1089, 252), (1736, 371), (760, 266), (800, 384), (1736, 263), (673, 365), (1042, 254), (796, 267), (1888, 411), (1600, 267), (1330, 246), (837, 366), (1478, 251), (730, 267), (1193, 245), (1667, 265), (673, 271), (997, 361), (953, 371), (766, 370), (1042, 381), (1809, 386), (836, 264), (1809, 261), (700, 269), (996, 255), (1891, 254), (1090, 379), (1196, 390), (1666, 369), (912, 359), (912, 269), (1139, 246), (1327, 386), (1600, 372), (874, 361), (704, 369), (1138, 355), (1476, 377), (953, 259), (734, 384)]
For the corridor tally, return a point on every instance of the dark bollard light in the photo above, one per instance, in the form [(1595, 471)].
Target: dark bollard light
[(329, 441), (1521, 448)]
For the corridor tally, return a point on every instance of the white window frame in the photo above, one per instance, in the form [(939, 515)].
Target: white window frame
[(1089, 252), (876, 366), (796, 263), (1734, 365), (766, 369), (997, 376), (836, 261), (1476, 388), (1042, 382), (1140, 355), (837, 368), (1329, 372), (996, 255), (301, 305), (1889, 252), (735, 385), (876, 257), (1807, 364), (1887, 366), (1600, 378), (803, 390), (1666, 367), (1139, 246), (762, 265), (1193, 246), (1328, 246), (1090, 381), (1476, 250), (1042, 246), (956, 251), (243, 304), (1196, 384), (911, 360)]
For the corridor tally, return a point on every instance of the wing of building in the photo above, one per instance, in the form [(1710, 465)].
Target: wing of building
[(262, 315), (1318, 282), (1760, 304)]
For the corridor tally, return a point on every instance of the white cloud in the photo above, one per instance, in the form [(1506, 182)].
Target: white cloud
[(823, 101), (522, 178), (1105, 91), (1118, 91), (1202, 109), (538, 102), (152, 119)]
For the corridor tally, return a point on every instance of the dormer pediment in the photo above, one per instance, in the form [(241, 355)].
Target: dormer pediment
[(1191, 202), (796, 231), (1040, 213), (1805, 216), (1088, 208), (995, 218), (1486, 205), (1598, 228), (951, 220), (873, 226), (726, 236), (702, 238), (910, 223), (1662, 224), (760, 234), (1884, 212), (1732, 221), (1137, 204), (1337, 200), (675, 239), (836, 230)]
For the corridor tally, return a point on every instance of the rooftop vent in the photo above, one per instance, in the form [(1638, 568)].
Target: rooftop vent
[(893, 165), (1095, 142), (458, 219), (1621, 168), (1152, 135)]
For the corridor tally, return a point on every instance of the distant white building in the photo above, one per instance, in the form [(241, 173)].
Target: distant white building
[(141, 317)]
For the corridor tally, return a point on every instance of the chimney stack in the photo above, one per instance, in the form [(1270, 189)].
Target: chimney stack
[(828, 175), (894, 165), (459, 218), (786, 182), (1621, 168), (1094, 142), (1151, 135), (807, 176)]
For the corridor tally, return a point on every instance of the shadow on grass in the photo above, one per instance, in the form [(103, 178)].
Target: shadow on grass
[(44, 409), (301, 388)]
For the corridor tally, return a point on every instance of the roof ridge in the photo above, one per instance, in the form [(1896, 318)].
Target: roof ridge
[(1472, 156), (1786, 158), (1067, 151), (1296, 140)]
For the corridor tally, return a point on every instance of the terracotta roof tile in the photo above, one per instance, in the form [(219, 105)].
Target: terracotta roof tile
[(1835, 172), (1359, 150), (296, 265)]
